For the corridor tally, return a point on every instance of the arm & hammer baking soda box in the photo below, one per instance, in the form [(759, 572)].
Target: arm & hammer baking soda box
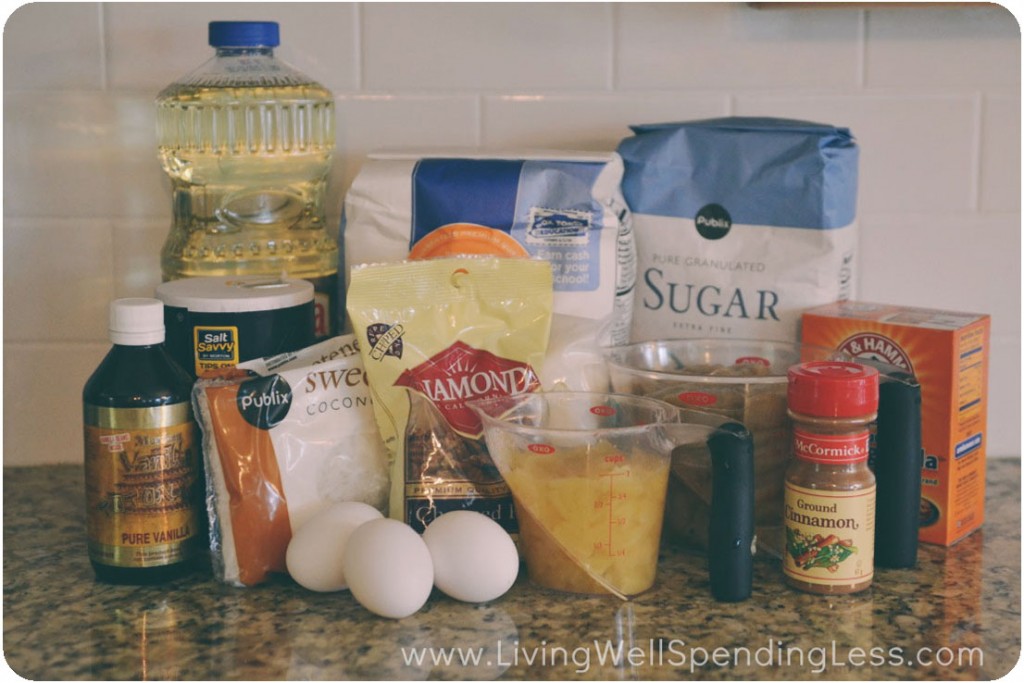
[(948, 353)]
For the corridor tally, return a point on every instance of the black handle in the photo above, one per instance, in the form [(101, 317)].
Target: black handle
[(731, 533), (898, 459)]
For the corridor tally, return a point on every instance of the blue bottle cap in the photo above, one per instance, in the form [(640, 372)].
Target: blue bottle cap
[(244, 34)]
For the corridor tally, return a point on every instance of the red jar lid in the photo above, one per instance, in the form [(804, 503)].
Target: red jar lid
[(833, 389)]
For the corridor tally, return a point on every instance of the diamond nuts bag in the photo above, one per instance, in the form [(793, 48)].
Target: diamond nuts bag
[(741, 224), (434, 334)]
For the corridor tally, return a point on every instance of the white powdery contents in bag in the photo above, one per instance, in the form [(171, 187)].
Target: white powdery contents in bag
[(741, 224), (353, 472), (563, 208)]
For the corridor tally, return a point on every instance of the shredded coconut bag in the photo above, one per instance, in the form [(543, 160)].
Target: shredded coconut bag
[(283, 437), (564, 208), (741, 224)]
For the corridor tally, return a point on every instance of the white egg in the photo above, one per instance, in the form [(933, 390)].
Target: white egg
[(475, 560), (388, 568), (315, 553)]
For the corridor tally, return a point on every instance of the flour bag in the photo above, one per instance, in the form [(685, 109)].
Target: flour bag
[(741, 224), (564, 208)]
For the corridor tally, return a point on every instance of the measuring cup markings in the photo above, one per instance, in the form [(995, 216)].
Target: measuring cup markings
[(597, 544), (613, 521), (697, 398)]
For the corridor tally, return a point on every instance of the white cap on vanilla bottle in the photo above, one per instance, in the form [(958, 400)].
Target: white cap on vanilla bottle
[(136, 322)]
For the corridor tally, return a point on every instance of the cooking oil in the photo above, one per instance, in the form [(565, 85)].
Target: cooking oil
[(247, 141)]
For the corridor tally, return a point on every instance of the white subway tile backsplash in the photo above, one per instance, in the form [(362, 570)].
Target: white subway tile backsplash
[(150, 45), (586, 122), (486, 46), (53, 45), (917, 152), (1004, 408), (722, 45), (972, 47), (931, 93), (137, 245), (80, 155), (58, 279), (963, 262), (368, 123), (43, 401), (1000, 153)]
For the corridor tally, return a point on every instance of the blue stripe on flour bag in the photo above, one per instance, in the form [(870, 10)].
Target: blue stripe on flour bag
[(546, 206), (446, 191), (764, 171)]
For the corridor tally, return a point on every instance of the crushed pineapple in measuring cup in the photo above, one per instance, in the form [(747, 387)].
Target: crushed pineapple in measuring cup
[(589, 515)]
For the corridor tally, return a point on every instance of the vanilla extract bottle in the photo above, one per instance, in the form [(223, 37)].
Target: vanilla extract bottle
[(142, 466)]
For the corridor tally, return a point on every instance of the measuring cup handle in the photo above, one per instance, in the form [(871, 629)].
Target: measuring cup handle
[(898, 460), (731, 533)]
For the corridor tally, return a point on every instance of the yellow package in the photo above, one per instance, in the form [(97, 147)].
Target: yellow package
[(433, 335)]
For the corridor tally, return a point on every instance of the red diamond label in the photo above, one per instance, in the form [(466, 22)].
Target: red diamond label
[(461, 373)]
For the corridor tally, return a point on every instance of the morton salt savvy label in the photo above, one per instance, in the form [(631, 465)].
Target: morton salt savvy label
[(741, 223), (215, 347)]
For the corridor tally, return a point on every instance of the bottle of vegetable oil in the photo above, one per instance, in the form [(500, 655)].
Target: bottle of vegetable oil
[(247, 142), (143, 480)]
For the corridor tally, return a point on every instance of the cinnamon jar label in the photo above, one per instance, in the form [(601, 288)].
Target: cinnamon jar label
[(830, 535)]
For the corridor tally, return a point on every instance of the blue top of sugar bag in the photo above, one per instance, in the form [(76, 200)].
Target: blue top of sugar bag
[(764, 171)]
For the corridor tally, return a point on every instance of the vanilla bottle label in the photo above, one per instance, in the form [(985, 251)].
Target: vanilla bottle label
[(141, 471), (830, 535)]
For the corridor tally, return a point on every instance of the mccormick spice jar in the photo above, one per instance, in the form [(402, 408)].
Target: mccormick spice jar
[(830, 491)]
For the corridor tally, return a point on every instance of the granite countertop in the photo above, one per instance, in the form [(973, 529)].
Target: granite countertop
[(59, 623)]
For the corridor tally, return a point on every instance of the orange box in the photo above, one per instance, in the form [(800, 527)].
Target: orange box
[(948, 352)]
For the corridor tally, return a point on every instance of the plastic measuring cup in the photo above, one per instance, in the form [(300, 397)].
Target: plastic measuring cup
[(588, 474)]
